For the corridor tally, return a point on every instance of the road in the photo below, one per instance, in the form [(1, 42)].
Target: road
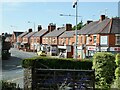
[(11, 69)]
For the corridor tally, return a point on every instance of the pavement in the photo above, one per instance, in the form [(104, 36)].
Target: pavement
[(12, 70)]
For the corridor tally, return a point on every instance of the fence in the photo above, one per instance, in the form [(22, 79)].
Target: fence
[(60, 79)]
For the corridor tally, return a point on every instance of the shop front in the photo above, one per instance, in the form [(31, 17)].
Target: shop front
[(115, 50), (90, 51), (67, 51)]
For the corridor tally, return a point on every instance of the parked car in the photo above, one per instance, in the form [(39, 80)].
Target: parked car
[(41, 53)]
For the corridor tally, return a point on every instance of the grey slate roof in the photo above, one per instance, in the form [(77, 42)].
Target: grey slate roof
[(40, 33), (115, 28), (23, 34), (55, 33), (68, 34), (87, 28), (29, 34), (107, 26)]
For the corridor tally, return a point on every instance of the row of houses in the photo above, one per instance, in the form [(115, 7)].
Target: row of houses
[(95, 36)]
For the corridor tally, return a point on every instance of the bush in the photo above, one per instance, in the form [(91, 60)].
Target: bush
[(104, 65), (117, 59), (56, 63), (117, 71), (9, 86)]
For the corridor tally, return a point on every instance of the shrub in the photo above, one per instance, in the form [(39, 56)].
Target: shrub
[(117, 59), (9, 86), (117, 71), (57, 63), (104, 65)]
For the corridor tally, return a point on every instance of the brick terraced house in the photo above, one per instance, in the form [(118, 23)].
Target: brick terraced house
[(99, 36)]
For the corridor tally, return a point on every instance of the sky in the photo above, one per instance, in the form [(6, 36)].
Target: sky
[(16, 15)]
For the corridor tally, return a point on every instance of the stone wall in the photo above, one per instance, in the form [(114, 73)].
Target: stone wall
[(27, 79)]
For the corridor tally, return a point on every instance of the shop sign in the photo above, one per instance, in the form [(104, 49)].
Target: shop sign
[(114, 48), (104, 48), (92, 48), (53, 49)]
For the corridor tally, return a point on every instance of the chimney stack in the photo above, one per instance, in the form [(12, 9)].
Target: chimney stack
[(30, 30), (89, 21), (39, 27), (68, 27), (102, 17), (51, 27)]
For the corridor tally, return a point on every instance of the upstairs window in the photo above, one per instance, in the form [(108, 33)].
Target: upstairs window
[(94, 39), (68, 41), (118, 39), (103, 40), (64, 40)]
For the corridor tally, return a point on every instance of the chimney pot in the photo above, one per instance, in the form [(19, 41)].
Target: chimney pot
[(51, 27), (39, 27), (30, 30), (68, 27), (102, 17), (89, 21)]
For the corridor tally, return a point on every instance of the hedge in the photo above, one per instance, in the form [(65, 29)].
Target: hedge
[(9, 86), (56, 63), (104, 65)]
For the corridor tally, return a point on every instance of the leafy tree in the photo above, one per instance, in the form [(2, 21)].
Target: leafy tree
[(79, 26), (104, 65)]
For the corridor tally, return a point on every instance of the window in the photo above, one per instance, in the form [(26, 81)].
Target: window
[(103, 40), (68, 41), (53, 40), (87, 41), (94, 39), (118, 40), (64, 40)]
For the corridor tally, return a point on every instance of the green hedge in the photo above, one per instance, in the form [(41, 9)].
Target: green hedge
[(56, 63), (9, 86), (104, 65)]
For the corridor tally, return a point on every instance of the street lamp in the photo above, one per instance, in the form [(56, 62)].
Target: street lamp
[(33, 24), (75, 5)]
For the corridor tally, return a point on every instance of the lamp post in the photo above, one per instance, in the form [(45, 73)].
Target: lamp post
[(75, 5), (33, 24)]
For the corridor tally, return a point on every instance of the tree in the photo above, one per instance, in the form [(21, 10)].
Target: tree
[(79, 26)]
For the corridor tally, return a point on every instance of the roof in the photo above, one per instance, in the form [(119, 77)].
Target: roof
[(40, 33), (23, 34), (55, 33), (17, 33), (68, 34), (107, 26), (87, 28), (115, 28), (29, 34)]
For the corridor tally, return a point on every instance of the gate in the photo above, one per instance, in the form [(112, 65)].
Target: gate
[(63, 79)]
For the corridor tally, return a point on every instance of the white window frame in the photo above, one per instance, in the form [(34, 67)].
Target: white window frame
[(105, 43), (117, 40)]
